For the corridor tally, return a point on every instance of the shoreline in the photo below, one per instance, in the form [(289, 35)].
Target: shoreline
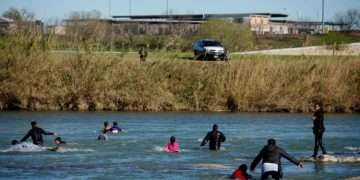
[(223, 111)]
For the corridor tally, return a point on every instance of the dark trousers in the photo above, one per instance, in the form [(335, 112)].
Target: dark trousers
[(318, 142), (275, 175)]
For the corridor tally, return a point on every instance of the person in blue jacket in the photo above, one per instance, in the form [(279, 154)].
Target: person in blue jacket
[(115, 128)]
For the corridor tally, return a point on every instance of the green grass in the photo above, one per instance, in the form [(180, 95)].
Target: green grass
[(291, 41)]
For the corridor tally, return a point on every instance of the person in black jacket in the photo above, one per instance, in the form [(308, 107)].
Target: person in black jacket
[(36, 134), (271, 164), (215, 138), (143, 53), (318, 129)]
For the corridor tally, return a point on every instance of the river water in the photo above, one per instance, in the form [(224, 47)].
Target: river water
[(136, 152)]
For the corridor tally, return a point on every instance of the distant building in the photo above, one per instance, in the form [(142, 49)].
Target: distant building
[(189, 23), (155, 27), (302, 27), (36, 26), (259, 23), (56, 29), (6, 24)]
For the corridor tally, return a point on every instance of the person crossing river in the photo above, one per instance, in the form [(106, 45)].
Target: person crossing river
[(36, 134), (215, 138), (318, 129), (270, 156)]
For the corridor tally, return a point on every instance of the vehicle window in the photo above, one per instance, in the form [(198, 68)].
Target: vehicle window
[(211, 43)]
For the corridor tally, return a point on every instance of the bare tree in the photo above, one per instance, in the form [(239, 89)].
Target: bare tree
[(349, 20), (24, 21), (87, 26), (20, 15)]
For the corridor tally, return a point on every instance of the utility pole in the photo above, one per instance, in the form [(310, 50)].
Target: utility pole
[(322, 18), (167, 8), (109, 8), (111, 27), (130, 7)]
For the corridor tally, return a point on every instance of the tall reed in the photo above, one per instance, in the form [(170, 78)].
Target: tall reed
[(34, 78)]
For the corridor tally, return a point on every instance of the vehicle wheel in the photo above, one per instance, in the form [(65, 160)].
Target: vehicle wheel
[(199, 57), (205, 57)]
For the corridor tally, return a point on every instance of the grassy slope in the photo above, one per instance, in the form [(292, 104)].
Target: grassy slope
[(37, 80)]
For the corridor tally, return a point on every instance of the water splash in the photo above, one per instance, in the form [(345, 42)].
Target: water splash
[(161, 149), (64, 150), (29, 147), (25, 147), (158, 149), (351, 148), (210, 166)]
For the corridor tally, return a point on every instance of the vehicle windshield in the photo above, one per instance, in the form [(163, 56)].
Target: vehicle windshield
[(211, 43)]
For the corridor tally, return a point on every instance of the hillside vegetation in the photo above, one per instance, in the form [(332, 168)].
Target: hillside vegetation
[(34, 78)]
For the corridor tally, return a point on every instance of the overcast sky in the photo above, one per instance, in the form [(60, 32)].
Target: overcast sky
[(297, 9)]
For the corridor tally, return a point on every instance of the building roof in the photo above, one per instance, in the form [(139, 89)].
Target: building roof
[(157, 21), (5, 20), (148, 21), (306, 22), (199, 17)]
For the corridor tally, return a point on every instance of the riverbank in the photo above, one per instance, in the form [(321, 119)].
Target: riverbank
[(39, 80)]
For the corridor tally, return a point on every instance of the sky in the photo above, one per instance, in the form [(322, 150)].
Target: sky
[(51, 10)]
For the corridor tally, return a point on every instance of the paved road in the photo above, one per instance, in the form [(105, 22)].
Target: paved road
[(351, 49)]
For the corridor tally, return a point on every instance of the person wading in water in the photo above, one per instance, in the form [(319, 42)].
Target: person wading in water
[(318, 129), (270, 156), (215, 138), (36, 134)]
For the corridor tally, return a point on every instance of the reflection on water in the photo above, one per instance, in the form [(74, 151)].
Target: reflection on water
[(319, 167), (136, 153)]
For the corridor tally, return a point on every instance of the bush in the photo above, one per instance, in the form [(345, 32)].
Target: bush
[(335, 40), (234, 36)]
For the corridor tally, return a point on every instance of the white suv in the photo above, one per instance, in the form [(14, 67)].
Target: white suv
[(209, 49)]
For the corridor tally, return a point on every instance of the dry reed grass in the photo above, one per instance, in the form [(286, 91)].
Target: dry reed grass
[(33, 78)]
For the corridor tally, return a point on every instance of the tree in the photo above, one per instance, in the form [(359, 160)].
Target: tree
[(349, 20), (234, 36), (335, 41), (19, 15), (87, 27), (24, 21), (85, 15)]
